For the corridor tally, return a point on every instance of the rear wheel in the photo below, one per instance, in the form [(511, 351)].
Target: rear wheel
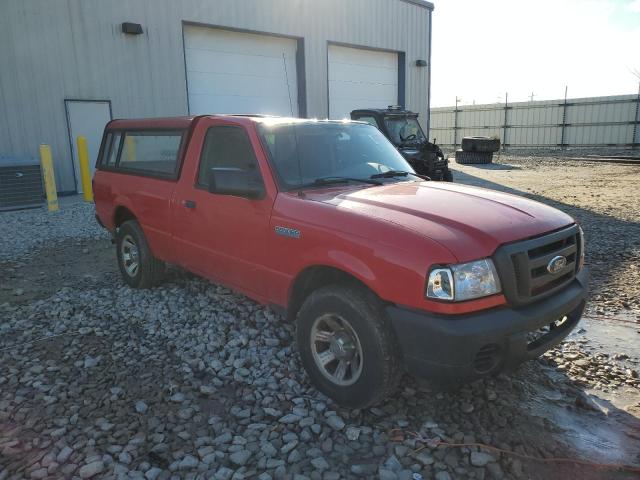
[(347, 346), (138, 266)]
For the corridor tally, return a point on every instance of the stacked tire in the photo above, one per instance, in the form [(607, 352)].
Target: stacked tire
[(477, 150)]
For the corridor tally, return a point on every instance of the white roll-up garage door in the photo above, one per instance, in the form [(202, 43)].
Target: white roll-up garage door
[(233, 72), (360, 78)]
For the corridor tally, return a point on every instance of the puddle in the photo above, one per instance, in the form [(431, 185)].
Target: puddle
[(614, 338), (605, 434), (605, 427)]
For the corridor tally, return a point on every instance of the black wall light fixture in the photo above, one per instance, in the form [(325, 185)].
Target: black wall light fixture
[(421, 63), (131, 28)]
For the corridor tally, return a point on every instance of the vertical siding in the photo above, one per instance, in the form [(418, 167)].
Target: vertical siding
[(57, 49), (588, 121)]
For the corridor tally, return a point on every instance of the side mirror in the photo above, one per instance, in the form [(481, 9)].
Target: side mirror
[(236, 182)]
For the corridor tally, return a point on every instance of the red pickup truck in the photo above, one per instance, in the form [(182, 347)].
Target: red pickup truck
[(380, 269)]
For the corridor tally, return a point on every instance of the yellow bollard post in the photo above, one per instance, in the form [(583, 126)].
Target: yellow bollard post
[(131, 149), (49, 178), (85, 172)]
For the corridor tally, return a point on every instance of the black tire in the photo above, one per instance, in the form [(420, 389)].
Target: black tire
[(380, 360), (150, 271), (480, 144), (447, 176), (466, 158)]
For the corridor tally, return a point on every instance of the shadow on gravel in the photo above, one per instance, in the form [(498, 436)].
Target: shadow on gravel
[(47, 269)]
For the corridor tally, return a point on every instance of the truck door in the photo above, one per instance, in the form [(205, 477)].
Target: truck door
[(222, 236)]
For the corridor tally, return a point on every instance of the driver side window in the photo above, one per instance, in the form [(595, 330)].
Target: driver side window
[(226, 147)]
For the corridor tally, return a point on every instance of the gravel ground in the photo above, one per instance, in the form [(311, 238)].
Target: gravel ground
[(190, 380)]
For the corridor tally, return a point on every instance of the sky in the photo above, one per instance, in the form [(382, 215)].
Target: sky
[(484, 48)]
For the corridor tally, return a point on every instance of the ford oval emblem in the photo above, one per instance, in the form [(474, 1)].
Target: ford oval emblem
[(19, 174), (556, 264)]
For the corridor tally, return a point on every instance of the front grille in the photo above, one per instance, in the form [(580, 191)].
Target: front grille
[(439, 163), (523, 266)]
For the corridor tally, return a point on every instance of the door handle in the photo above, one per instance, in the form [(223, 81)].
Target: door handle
[(189, 204)]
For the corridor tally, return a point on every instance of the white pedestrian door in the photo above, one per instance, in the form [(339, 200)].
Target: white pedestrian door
[(86, 118)]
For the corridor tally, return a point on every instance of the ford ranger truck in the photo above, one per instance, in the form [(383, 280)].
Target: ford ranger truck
[(380, 270)]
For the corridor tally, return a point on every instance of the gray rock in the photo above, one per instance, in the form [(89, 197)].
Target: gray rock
[(223, 473), (39, 473), (290, 418), (335, 422), (425, 458), (188, 462), (352, 433), (384, 474), (152, 473), (443, 475), (480, 459), (91, 469), (64, 454), (320, 463), (125, 458), (141, 407), (240, 457)]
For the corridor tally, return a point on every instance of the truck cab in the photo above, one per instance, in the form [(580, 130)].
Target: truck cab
[(402, 129)]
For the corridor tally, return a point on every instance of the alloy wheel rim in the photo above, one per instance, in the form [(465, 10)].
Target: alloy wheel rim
[(336, 349), (130, 255)]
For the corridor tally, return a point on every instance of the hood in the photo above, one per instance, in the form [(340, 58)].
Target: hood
[(470, 222)]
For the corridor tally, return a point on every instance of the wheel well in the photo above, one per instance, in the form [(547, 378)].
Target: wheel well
[(122, 215), (312, 279)]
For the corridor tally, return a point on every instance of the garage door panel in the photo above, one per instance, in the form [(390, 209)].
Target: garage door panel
[(233, 42), (223, 84), (217, 62), (360, 78), (240, 104), (234, 72), (372, 74), (346, 90), (361, 56)]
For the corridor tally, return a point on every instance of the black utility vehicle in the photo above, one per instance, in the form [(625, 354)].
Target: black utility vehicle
[(401, 127)]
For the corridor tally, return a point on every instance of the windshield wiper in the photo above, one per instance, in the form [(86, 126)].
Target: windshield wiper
[(334, 180), (392, 174)]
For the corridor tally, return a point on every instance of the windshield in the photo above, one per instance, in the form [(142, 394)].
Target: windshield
[(302, 153), (404, 129)]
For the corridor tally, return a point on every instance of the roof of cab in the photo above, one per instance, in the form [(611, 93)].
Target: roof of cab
[(162, 122), (185, 122)]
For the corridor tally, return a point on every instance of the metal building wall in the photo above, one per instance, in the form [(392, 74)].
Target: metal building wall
[(581, 122), (56, 49)]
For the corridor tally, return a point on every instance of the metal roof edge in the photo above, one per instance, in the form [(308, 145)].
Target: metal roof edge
[(420, 3)]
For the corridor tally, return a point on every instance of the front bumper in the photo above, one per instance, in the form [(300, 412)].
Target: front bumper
[(454, 349)]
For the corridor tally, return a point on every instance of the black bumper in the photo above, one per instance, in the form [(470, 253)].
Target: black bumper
[(455, 349)]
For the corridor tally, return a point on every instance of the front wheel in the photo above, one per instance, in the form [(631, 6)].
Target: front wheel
[(347, 346), (138, 266)]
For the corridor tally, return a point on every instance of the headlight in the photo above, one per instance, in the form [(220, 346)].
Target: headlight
[(581, 247), (464, 281)]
